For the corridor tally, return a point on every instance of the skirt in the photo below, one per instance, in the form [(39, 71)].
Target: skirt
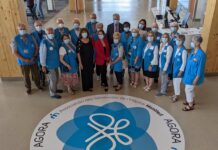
[(150, 74), (70, 79)]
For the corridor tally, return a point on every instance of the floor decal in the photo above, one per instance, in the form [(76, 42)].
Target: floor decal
[(108, 122)]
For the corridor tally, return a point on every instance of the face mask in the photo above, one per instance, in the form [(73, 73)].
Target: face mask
[(101, 36), (76, 26), (116, 41), (192, 45), (51, 36), (93, 20), (84, 35), (178, 43), (126, 29), (38, 28), (150, 39), (154, 29), (173, 29), (116, 21), (134, 34), (98, 29), (67, 41), (141, 26), (22, 32), (61, 25), (164, 40)]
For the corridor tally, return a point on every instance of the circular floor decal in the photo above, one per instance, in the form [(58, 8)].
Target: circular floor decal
[(108, 122)]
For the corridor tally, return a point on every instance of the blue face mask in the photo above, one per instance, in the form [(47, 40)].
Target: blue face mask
[(192, 45), (164, 40), (173, 29), (93, 20), (22, 32), (149, 38), (154, 29)]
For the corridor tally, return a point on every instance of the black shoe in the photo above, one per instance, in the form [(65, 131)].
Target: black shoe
[(106, 89), (29, 91), (90, 90), (59, 91), (40, 88), (56, 97)]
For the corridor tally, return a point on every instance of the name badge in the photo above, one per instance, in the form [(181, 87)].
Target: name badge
[(195, 60), (134, 47), (152, 47), (179, 54), (158, 38), (178, 59), (51, 48), (25, 51)]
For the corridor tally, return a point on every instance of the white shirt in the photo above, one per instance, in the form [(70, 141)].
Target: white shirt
[(168, 55)]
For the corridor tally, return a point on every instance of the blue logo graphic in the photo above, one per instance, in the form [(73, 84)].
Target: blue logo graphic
[(109, 127)]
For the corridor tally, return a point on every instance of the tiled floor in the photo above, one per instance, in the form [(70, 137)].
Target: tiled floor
[(19, 114)]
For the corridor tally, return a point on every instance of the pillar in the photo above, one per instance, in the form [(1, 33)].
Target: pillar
[(76, 5), (12, 12), (173, 4), (210, 37)]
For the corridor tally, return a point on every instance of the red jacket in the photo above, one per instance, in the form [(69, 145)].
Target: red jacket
[(101, 54)]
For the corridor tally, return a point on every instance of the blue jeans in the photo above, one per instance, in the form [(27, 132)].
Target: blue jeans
[(39, 8)]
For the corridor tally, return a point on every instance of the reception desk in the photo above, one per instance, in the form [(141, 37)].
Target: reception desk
[(188, 32)]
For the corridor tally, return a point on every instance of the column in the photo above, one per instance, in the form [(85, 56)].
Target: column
[(76, 5), (173, 4)]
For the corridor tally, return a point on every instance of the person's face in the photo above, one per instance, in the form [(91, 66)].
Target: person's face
[(116, 17), (50, 31), (65, 38), (93, 16), (150, 37), (142, 22), (22, 27), (100, 27)]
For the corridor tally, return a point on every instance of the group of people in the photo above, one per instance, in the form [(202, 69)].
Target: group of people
[(80, 51)]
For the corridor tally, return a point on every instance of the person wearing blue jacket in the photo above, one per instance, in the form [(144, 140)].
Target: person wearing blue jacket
[(125, 35), (91, 25), (194, 72), (38, 35), (179, 63), (116, 60), (150, 60), (49, 59), (69, 65), (60, 31), (25, 49), (134, 57), (165, 63), (74, 32)]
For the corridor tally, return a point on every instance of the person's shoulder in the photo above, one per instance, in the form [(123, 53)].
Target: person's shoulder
[(111, 24), (202, 52)]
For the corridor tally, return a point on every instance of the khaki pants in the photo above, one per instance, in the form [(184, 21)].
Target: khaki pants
[(26, 75)]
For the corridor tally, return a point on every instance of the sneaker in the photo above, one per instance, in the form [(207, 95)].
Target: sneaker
[(59, 91), (160, 94), (56, 97)]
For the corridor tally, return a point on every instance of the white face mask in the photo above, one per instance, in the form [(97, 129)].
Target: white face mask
[(84, 35), (141, 26), (67, 41), (126, 29), (154, 29), (134, 34), (173, 29), (116, 21), (116, 41), (61, 25), (93, 20), (22, 32), (38, 28), (101, 36), (192, 45), (50, 36), (76, 26)]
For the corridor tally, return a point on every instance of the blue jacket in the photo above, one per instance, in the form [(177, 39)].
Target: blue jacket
[(71, 57), (148, 56), (59, 33), (158, 38), (163, 60), (118, 67), (36, 36), (74, 37), (52, 55), (135, 50), (124, 41), (26, 50), (91, 27), (195, 67)]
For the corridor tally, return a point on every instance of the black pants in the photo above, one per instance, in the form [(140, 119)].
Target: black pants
[(33, 12), (26, 74), (103, 73), (119, 76), (87, 78), (98, 71)]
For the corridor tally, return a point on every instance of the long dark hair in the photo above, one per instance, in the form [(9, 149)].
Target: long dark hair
[(144, 22), (83, 30)]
